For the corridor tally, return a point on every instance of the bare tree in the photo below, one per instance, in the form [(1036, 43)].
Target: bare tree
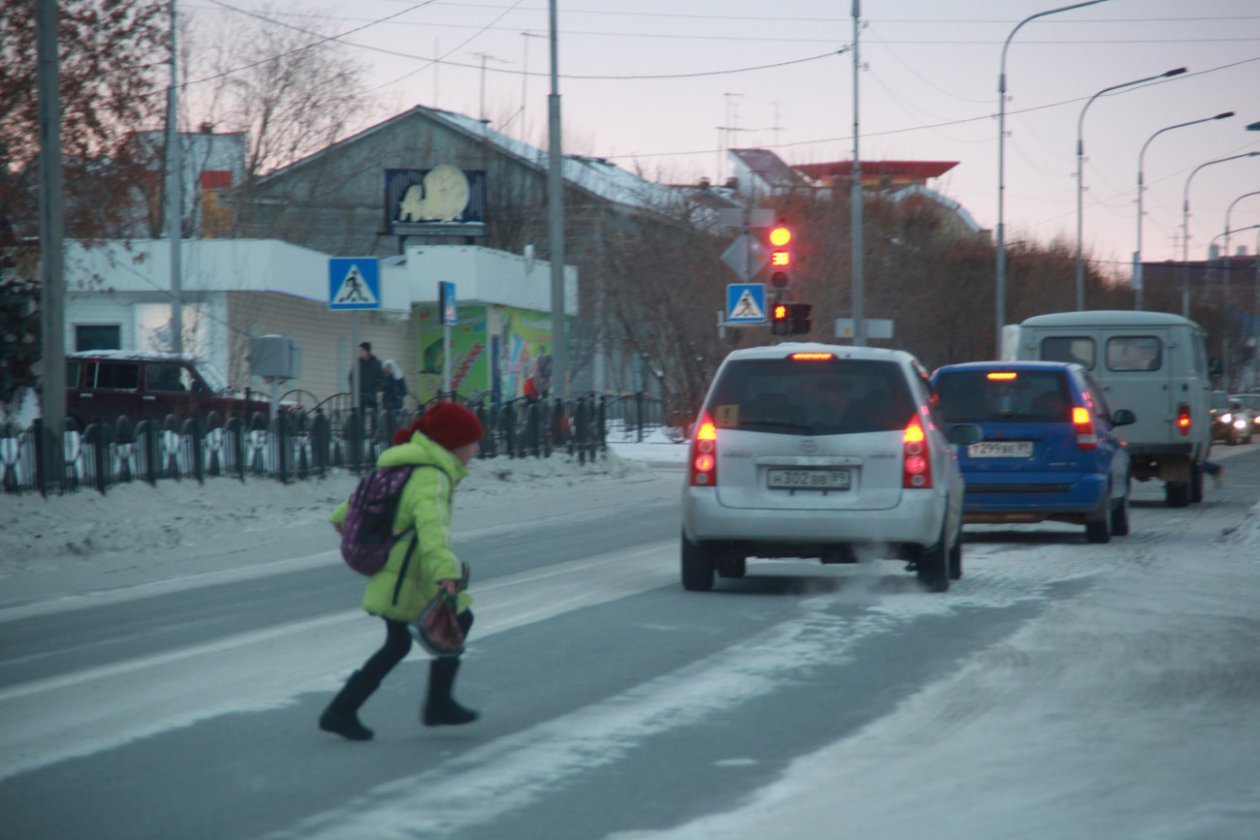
[(109, 85), (293, 90)]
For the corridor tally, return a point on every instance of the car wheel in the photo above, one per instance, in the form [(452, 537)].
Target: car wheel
[(1099, 530), (697, 566), (933, 567), (1177, 493), (955, 558), (1196, 483), (732, 567), (1120, 517)]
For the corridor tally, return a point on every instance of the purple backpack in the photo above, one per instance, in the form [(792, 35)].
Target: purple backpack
[(367, 534)]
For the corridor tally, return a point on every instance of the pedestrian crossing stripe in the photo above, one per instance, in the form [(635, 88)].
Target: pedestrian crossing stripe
[(746, 307), (354, 289)]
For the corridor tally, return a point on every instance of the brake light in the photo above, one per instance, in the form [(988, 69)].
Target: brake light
[(1086, 436), (1183, 419), (704, 453), (1001, 376), (916, 466), (812, 357)]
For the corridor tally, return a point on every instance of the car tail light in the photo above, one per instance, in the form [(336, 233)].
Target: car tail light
[(916, 466), (1183, 419), (1086, 436), (704, 453)]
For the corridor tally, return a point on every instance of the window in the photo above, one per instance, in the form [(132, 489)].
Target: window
[(812, 397), (1028, 397), (1134, 353), (167, 377), (1079, 349), (117, 376), (97, 337)]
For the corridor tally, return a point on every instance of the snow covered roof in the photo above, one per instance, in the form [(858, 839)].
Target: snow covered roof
[(596, 176)]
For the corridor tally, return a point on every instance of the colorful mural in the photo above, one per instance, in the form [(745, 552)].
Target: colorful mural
[(494, 350)]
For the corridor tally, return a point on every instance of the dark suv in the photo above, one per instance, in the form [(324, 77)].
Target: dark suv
[(107, 384)]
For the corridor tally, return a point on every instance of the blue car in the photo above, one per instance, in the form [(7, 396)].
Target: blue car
[(1049, 448)]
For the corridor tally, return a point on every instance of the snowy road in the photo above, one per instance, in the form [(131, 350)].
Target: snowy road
[(1060, 690)]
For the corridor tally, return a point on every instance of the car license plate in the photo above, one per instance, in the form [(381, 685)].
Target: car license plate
[(1001, 449), (809, 479)]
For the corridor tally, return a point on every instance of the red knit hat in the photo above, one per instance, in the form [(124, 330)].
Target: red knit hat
[(449, 425)]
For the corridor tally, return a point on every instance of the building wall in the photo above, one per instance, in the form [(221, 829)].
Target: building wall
[(325, 336)]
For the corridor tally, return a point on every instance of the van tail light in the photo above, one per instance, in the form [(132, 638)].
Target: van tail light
[(703, 467), (1086, 435), (1183, 419), (916, 466)]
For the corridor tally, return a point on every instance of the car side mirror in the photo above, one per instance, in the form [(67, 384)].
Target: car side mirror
[(1123, 417), (1216, 367), (965, 434)]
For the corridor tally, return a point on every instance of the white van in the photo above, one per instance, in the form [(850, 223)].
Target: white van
[(1152, 363)]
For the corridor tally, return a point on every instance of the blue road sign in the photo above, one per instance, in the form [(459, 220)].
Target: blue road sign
[(746, 303), (354, 283), (447, 294)]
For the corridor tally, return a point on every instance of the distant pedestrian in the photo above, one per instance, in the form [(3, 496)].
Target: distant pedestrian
[(372, 375), (395, 388), (438, 446)]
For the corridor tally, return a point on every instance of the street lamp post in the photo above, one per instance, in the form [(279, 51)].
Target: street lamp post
[(1080, 176), (1185, 226), (1225, 291), (1000, 296), (1137, 255)]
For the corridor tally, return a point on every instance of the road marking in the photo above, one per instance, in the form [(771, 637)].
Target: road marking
[(100, 708)]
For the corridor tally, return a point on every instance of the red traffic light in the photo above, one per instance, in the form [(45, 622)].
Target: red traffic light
[(780, 235)]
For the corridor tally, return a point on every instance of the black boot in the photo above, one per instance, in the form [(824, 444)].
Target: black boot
[(441, 709), (341, 717)]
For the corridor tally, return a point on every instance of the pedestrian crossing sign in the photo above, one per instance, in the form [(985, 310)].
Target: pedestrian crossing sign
[(354, 283), (746, 303)]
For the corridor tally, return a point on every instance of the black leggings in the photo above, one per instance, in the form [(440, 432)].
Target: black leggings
[(397, 644)]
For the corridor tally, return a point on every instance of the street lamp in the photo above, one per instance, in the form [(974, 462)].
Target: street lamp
[(1185, 225), (1000, 296), (1137, 255), (1080, 175), (1225, 291)]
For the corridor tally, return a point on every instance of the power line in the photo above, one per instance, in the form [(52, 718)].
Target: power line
[(946, 124)]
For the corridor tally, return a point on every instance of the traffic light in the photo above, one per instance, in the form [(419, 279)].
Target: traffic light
[(780, 321), (791, 319), (799, 322), (780, 255)]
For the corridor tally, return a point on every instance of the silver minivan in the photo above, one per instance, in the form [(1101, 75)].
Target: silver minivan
[(822, 451)]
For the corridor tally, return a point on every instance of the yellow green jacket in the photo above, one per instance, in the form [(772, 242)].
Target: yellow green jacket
[(410, 577)]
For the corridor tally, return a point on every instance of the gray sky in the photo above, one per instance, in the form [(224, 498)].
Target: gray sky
[(632, 91)]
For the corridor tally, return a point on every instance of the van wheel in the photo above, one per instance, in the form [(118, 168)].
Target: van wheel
[(697, 566), (1196, 483), (933, 567), (1177, 493), (732, 567)]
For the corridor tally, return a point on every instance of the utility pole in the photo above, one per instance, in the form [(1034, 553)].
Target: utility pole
[(51, 242), (174, 195), (555, 222), (855, 190)]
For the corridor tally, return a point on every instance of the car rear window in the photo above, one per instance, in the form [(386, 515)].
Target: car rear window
[(817, 397), (982, 396)]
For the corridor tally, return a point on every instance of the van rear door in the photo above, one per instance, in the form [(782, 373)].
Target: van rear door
[(1137, 369)]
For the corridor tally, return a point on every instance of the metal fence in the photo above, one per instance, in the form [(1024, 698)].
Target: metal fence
[(303, 442)]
